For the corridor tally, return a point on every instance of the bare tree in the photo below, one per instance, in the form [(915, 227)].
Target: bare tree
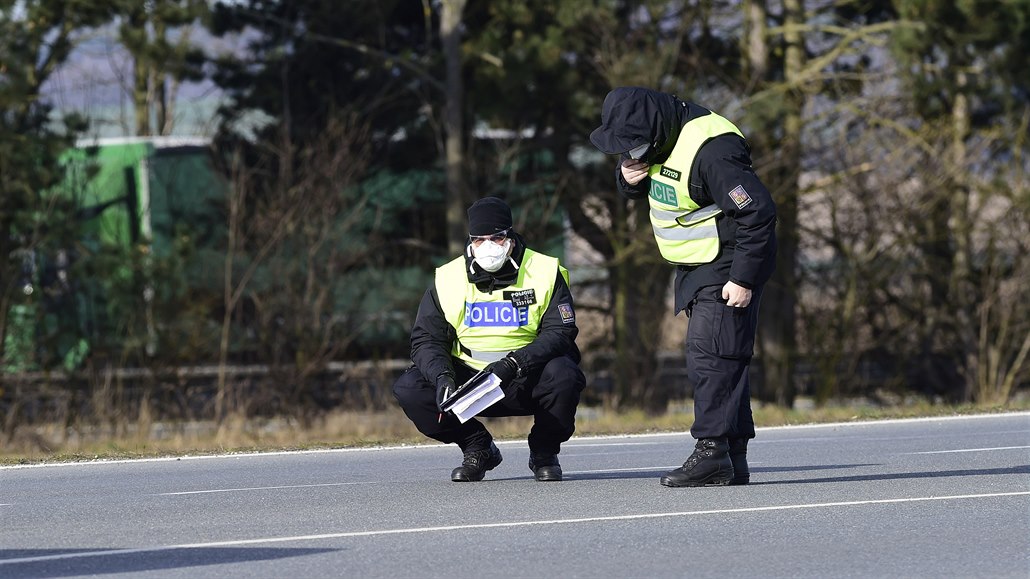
[(629, 52), (297, 229), (882, 311)]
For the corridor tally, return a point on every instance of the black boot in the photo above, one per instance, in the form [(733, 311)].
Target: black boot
[(476, 463), (738, 456), (709, 466), (545, 467)]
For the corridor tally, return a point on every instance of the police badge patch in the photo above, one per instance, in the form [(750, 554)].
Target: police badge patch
[(740, 196), (521, 299), (567, 315)]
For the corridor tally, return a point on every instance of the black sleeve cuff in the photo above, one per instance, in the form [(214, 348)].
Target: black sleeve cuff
[(743, 284), (518, 364)]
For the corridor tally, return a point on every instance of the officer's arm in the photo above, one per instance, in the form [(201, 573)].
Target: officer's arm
[(557, 333), (431, 338), (725, 164)]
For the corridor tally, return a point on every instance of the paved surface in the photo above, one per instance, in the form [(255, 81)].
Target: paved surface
[(923, 498)]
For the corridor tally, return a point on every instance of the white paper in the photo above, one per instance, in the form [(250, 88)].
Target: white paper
[(479, 399)]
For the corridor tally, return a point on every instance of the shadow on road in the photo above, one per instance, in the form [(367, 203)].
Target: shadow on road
[(657, 473), (808, 467), (95, 561), (900, 475)]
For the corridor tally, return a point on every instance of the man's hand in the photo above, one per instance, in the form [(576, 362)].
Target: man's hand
[(735, 295), (444, 388), (506, 369), (633, 171)]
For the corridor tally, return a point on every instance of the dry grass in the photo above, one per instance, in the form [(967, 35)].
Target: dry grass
[(352, 429)]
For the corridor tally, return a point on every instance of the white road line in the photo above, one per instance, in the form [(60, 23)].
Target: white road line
[(639, 469), (966, 450), (503, 443), (572, 444), (625, 469), (883, 438), (120, 552), (635, 452), (262, 488)]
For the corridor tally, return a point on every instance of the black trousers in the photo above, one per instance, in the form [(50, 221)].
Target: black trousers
[(550, 395), (720, 343)]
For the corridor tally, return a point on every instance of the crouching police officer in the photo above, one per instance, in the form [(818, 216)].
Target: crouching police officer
[(508, 309)]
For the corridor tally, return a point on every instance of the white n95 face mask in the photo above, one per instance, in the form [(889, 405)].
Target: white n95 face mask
[(491, 256)]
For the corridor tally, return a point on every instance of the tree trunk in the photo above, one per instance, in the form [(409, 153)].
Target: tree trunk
[(141, 89), (236, 201), (755, 41), (158, 85), (639, 285), (450, 35), (960, 284), (777, 338)]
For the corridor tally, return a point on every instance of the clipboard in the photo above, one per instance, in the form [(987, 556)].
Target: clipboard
[(481, 392), (462, 390)]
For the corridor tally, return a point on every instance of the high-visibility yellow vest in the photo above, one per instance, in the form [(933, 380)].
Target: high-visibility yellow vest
[(489, 325), (686, 232)]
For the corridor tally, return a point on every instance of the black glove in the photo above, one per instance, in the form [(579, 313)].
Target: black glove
[(506, 369), (444, 388)]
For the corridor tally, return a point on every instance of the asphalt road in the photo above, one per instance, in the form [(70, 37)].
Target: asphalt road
[(945, 497)]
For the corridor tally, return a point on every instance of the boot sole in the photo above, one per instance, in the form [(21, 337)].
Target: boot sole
[(713, 481)]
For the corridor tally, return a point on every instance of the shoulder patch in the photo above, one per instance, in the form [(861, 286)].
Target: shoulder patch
[(567, 315), (740, 196)]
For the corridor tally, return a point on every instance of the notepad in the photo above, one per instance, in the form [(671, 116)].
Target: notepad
[(475, 396)]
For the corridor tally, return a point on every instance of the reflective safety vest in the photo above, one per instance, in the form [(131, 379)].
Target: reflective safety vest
[(489, 325), (686, 232)]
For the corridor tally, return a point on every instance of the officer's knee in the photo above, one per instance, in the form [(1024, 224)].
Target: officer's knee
[(564, 376), (410, 387)]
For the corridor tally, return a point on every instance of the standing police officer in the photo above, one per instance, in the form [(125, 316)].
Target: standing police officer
[(715, 220), (508, 309)]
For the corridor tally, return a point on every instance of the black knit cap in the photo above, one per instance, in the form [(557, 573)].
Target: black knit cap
[(489, 215)]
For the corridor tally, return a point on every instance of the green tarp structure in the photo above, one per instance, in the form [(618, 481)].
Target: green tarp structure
[(129, 193)]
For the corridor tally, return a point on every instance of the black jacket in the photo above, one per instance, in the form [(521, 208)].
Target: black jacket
[(747, 233), (432, 336)]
